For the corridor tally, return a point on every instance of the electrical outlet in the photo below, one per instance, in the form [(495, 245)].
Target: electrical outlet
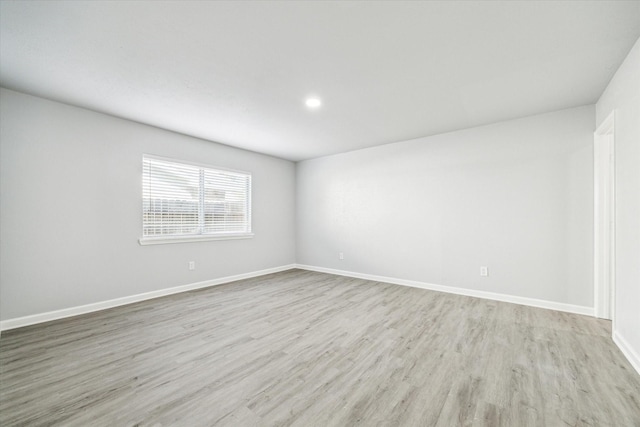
[(341, 255), (192, 265), (484, 271)]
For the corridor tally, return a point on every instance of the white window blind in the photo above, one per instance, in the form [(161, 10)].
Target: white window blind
[(188, 200)]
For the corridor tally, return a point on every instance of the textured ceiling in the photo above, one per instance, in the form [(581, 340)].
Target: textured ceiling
[(238, 72)]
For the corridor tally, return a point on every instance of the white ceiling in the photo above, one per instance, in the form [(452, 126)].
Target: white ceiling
[(238, 72)]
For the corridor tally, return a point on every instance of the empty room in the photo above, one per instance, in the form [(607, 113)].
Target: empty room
[(319, 213)]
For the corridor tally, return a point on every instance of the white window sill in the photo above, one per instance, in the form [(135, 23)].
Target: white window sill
[(188, 239)]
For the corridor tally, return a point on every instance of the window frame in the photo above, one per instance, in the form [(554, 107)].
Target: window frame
[(200, 236)]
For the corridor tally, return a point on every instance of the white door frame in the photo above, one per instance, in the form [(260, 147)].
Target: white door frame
[(604, 219)]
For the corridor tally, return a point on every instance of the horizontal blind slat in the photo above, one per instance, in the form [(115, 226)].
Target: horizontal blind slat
[(172, 193)]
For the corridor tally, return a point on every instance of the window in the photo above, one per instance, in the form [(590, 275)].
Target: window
[(188, 202)]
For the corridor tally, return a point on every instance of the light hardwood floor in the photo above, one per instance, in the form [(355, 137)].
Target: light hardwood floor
[(310, 349)]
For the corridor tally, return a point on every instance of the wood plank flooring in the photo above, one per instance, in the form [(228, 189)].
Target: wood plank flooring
[(299, 348)]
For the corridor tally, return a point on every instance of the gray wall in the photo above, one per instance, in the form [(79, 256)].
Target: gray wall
[(515, 196), (71, 209), (623, 96)]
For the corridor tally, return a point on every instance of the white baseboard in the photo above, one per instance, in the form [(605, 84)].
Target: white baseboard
[(551, 305), (89, 308), (627, 350)]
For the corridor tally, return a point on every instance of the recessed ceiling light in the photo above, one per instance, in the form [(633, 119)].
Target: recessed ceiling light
[(313, 102)]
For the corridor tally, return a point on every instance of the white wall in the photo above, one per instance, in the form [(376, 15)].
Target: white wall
[(515, 196), (71, 210), (623, 96)]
